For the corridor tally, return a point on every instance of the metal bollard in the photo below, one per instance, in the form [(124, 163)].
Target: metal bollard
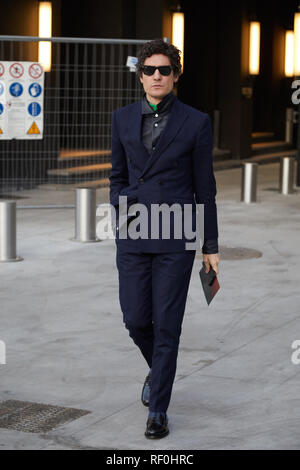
[(249, 182), (85, 215), (289, 125), (8, 232), (286, 182)]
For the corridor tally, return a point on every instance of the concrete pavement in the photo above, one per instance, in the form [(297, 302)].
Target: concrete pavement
[(236, 386)]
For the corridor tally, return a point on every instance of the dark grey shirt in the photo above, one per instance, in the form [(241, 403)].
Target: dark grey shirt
[(154, 122)]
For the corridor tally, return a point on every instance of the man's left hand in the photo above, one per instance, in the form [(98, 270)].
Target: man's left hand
[(211, 261)]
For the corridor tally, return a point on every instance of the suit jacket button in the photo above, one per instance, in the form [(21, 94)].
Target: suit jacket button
[(141, 180)]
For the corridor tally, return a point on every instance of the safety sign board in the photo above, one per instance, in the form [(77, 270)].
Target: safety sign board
[(33, 129), (35, 71), (16, 89), (35, 89), (16, 70), (21, 100), (34, 109)]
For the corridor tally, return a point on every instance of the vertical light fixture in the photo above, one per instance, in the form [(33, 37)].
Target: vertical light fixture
[(45, 31), (297, 44), (178, 32), (254, 53), (297, 75), (289, 53)]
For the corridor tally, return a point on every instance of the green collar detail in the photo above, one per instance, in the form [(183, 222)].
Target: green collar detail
[(154, 106)]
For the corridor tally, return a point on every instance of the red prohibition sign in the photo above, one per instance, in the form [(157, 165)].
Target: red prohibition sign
[(2, 69), (16, 70), (35, 70)]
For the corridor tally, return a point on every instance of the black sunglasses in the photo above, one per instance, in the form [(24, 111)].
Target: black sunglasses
[(150, 69)]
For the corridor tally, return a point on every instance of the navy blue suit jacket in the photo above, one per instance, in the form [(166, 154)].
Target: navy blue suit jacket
[(179, 170)]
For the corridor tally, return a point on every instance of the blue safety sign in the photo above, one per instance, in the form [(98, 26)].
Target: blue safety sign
[(35, 89), (16, 89), (34, 109), (21, 100)]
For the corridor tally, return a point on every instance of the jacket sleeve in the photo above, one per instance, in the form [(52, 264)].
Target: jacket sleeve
[(205, 184), (119, 171)]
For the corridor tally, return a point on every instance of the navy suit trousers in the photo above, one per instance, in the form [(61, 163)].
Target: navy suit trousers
[(153, 289)]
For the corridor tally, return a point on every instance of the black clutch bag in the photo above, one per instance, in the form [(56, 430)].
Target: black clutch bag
[(209, 282)]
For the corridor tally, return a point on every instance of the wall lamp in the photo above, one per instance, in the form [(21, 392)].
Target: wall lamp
[(178, 32), (297, 44), (254, 52), (297, 75), (289, 54), (45, 31)]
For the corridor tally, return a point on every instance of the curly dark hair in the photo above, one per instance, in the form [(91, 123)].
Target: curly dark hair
[(159, 46)]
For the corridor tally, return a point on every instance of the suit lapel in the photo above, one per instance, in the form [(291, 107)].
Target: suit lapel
[(135, 129), (142, 159)]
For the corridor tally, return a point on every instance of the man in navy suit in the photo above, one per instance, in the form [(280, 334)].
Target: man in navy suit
[(161, 155)]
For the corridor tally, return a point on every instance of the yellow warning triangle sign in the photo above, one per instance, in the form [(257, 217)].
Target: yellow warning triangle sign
[(1, 131), (33, 129)]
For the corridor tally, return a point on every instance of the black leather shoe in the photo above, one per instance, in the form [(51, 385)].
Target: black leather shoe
[(157, 428), (146, 390)]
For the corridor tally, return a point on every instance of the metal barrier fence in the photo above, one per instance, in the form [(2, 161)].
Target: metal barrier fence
[(88, 80)]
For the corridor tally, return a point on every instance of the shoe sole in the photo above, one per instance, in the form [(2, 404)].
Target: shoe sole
[(156, 437)]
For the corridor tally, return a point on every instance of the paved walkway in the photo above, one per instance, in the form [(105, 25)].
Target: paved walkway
[(236, 386)]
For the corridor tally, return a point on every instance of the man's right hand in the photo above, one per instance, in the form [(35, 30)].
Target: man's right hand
[(211, 261)]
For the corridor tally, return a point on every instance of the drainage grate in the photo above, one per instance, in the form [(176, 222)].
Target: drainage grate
[(236, 253), (35, 417)]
